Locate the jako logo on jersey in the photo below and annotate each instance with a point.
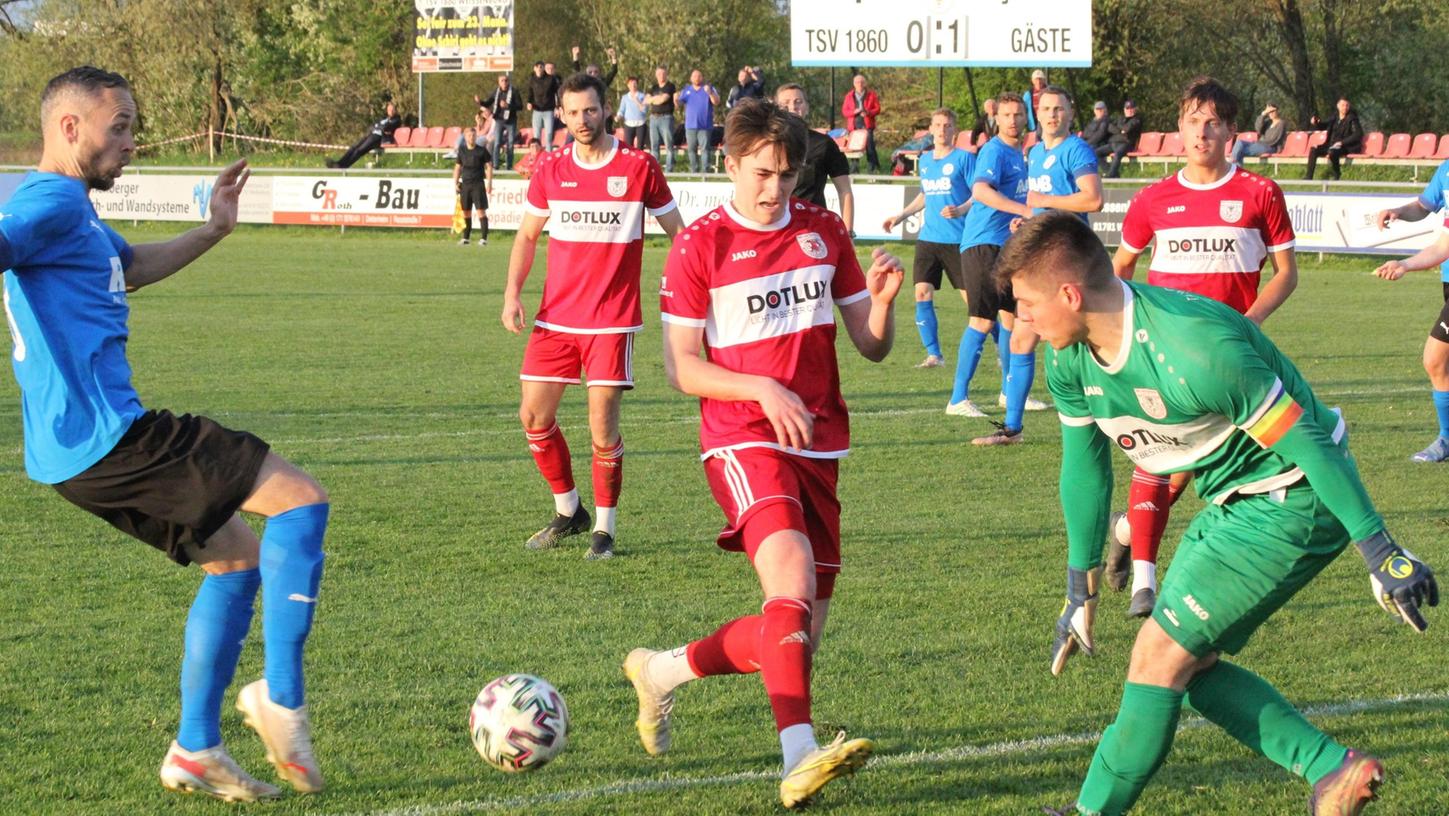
(1142, 436)
(568, 184)
(792, 295)
(1217, 245)
(1177, 209)
(813, 245)
(743, 254)
(1230, 210)
(1202, 614)
(607, 219)
(1092, 390)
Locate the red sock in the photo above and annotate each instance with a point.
(785, 659)
(608, 474)
(551, 453)
(733, 649)
(1148, 501)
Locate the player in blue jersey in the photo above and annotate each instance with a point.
(1061, 175)
(176, 483)
(1436, 349)
(945, 197)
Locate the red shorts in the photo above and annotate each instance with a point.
(603, 359)
(763, 491)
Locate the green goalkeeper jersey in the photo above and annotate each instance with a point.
(1197, 387)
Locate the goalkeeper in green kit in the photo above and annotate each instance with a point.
(1181, 382)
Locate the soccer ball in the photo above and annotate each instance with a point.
(519, 722)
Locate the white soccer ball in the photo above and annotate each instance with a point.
(518, 723)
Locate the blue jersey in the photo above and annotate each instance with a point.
(1436, 197)
(65, 299)
(1056, 171)
(1004, 168)
(944, 181)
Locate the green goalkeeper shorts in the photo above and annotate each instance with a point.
(1239, 562)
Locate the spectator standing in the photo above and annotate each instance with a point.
(698, 98)
(751, 85)
(503, 106)
(542, 99)
(633, 112)
(1272, 133)
(1032, 98)
(661, 117)
(860, 108)
(593, 69)
(1345, 135)
(375, 136)
(1098, 132)
(823, 159)
(473, 179)
(985, 123)
(1126, 132)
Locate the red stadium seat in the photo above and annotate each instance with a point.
(1424, 145)
(435, 136)
(981, 139)
(1171, 145)
(399, 137)
(1030, 140)
(418, 138)
(1148, 145)
(1316, 138)
(855, 142)
(560, 136)
(1373, 146)
(451, 136)
(525, 135)
(963, 140)
(1295, 146)
(1398, 146)
(1443, 151)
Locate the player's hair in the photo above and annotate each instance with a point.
(85, 79)
(1009, 96)
(580, 82)
(1203, 91)
(1056, 245)
(1054, 89)
(756, 121)
(790, 86)
(946, 112)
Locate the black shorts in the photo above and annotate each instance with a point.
(932, 258)
(1440, 331)
(978, 267)
(171, 481)
(474, 195)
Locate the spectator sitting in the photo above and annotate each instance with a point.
(1272, 133)
(751, 85)
(482, 126)
(529, 161)
(375, 136)
(1345, 135)
(1098, 131)
(1126, 132)
(985, 123)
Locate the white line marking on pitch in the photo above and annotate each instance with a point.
(666, 782)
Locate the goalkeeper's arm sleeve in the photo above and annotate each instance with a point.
(1086, 493)
(1333, 474)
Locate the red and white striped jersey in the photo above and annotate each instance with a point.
(764, 296)
(1210, 239)
(595, 236)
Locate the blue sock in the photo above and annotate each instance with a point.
(291, 572)
(1003, 355)
(1018, 385)
(215, 629)
(926, 325)
(1441, 406)
(966, 360)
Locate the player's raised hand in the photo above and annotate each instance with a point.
(883, 279)
(513, 317)
(793, 423)
(1383, 218)
(1391, 271)
(1079, 613)
(226, 192)
(1401, 582)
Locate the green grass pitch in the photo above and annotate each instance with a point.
(378, 363)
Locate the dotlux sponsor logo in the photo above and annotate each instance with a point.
(743, 254)
(1203, 245)
(793, 295)
(592, 217)
(1132, 439)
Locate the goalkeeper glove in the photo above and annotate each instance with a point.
(1401, 582)
(1074, 625)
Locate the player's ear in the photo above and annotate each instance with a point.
(70, 127)
(732, 167)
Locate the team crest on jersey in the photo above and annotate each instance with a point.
(618, 185)
(813, 245)
(1151, 402)
(947, 169)
(1230, 210)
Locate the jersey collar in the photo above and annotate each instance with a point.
(734, 214)
(1125, 349)
(1232, 171)
(608, 157)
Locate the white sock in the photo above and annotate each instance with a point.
(668, 670)
(795, 742)
(1144, 576)
(566, 504)
(604, 519)
(1123, 531)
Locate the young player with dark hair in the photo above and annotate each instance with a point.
(753, 285)
(1182, 383)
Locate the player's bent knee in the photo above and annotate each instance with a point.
(1158, 660)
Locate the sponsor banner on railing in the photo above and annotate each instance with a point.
(161, 197)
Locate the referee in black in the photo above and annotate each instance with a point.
(473, 177)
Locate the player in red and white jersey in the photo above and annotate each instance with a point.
(754, 285)
(1212, 225)
(593, 194)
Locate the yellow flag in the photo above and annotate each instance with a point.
(459, 222)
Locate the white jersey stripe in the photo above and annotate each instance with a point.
(1208, 250)
(692, 322)
(769, 306)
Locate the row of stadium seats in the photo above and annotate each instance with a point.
(1424, 146)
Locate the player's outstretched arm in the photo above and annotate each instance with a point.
(917, 204)
(154, 262)
(870, 322)
(1426, 258)
(520, 262)
(1413, 211)
(846, 192)
(1282, 284)
(1124, 263)
(692, 374)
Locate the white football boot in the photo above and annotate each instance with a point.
(214, 773)
(285, 733)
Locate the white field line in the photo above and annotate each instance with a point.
(666, 782)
